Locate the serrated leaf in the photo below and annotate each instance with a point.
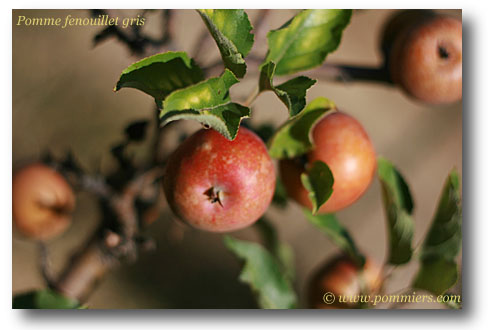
(318, 180)
(225, 119)
(207, 102)
(438, 268)
(304, 41)
(161, 74)
(333, 229)
(231, 30)
(294, 137)
(436, 275)
(263, 274)
(398, 206)
(292, 92)
(278, 249)
(43, 299)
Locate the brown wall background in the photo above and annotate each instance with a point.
(63, 99)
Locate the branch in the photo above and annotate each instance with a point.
(109, 245)
(327, 71)
(138, 42)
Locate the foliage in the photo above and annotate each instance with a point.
(43, 299)
(399, 207)
(231, 30)
(438, 270)
(263, 274)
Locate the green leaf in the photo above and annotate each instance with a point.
(292, 93)
(161, 74)
(318, 180)
(436, 275)
(225, 119)
(231, 30)
(294, 137)
(263, 274)
(444, 238)
(280, 250)
(43, 299)
(303, 42)
(204, 95)
(207, 102)
(398, 205)
(438, 269)
(332, 228)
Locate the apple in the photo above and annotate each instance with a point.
(219, 185)
(426, 59)
(341, 142)
(343, 278)
(399, 22)
(42, 202)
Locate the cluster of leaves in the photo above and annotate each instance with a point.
(438, 268)
(181, 91)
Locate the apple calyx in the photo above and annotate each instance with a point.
(213, 195)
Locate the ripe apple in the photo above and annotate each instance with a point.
(342, 277)
(42, 202)
(426, 59)
(342, 143)
(399, 22)
(219, 185)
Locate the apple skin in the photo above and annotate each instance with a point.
(426, 60)
(342, 143)
(218, 185)
(398, 22)
(42, 202)
(341, 276)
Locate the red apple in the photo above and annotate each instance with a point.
(42, 202)
(398, 22)
(342, 277)
(219, 185)
(343, 144)
(426, 60)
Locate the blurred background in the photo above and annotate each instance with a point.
(63, 100)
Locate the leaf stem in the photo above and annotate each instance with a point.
(252, 97)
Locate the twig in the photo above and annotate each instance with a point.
(108, 246)
(133, 38)
(45, 264)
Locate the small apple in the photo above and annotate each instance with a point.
(219, 185)
(42, 202)
(342, 143)
(426, 59)
(343, 278)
